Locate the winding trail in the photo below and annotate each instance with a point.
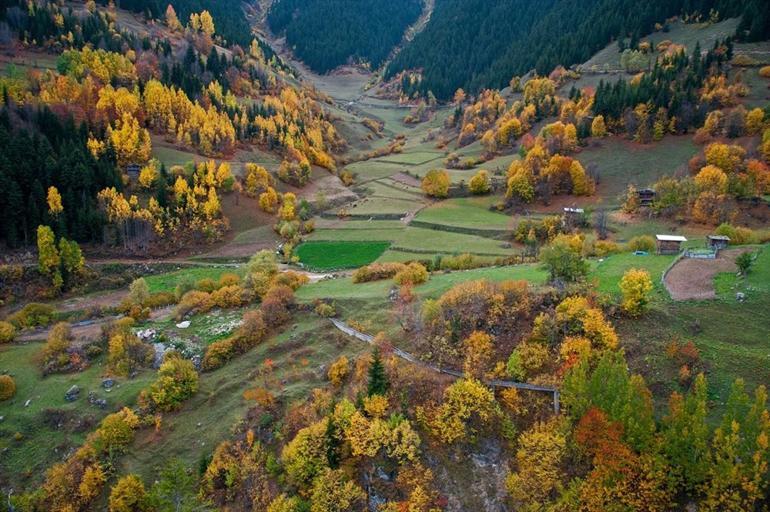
(406, 356)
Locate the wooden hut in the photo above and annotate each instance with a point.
(572, 217)
(717, 242)
(646, 196)
(669, 244)
(133, 170)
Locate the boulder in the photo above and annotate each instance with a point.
(108, 383)
(72, 393)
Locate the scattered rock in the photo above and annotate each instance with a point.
(147, 334)
(72, 393)
(94, 400)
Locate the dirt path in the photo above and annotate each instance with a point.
(89, 330)
(693, 279)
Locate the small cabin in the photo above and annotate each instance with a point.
(572, 217)
(717, 242)
(133, 170)
(646, 196)
(669, 244)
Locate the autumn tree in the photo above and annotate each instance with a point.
(480, 183)
(177, 381)
(563, 262)
(7, 387)
(598, 128)
(54, 202)
(48, 259)
(686, 435)
(333, 492)
(172, 21)
(436, 183)
(478, 354)
(538, 476)
(636, 287)
(128, 495)
(131, 142)
(468, 405)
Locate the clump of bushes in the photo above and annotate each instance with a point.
(325, 310)
(377, 272)
(642, 243)
(7, 332)
(738, 235)
(7, 387)
(413, 274)
(33, 315)
(461, 262)
(126, 352)
(59, 355)
(177, 381)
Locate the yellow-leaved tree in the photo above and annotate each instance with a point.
(636, 286)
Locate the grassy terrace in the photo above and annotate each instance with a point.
(339, 255)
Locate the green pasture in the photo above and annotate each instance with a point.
(31, 437)
(620, 162)
(339, 255)
(468, 212)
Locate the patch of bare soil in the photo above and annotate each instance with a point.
(693, 279)
(406, 179)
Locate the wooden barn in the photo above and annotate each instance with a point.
(669, 244)
(717, 242)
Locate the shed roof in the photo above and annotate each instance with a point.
(719, 237)
(670, 238)
(574, 210)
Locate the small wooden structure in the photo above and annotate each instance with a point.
(572, 217)
(717, 242)
(133, 170)
(669, 244)
(646, 196)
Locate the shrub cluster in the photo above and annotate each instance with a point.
(377, 272)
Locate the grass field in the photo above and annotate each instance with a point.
(606, 274)
(620, 162)
(469, 212)
(167, 282)
(373, 205)
(680, 33)
(411, 158)
(339, 255)
(42, 440)
(344, 289)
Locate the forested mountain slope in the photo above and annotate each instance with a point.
(475, 44)
(326, 33)
(231, 21)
